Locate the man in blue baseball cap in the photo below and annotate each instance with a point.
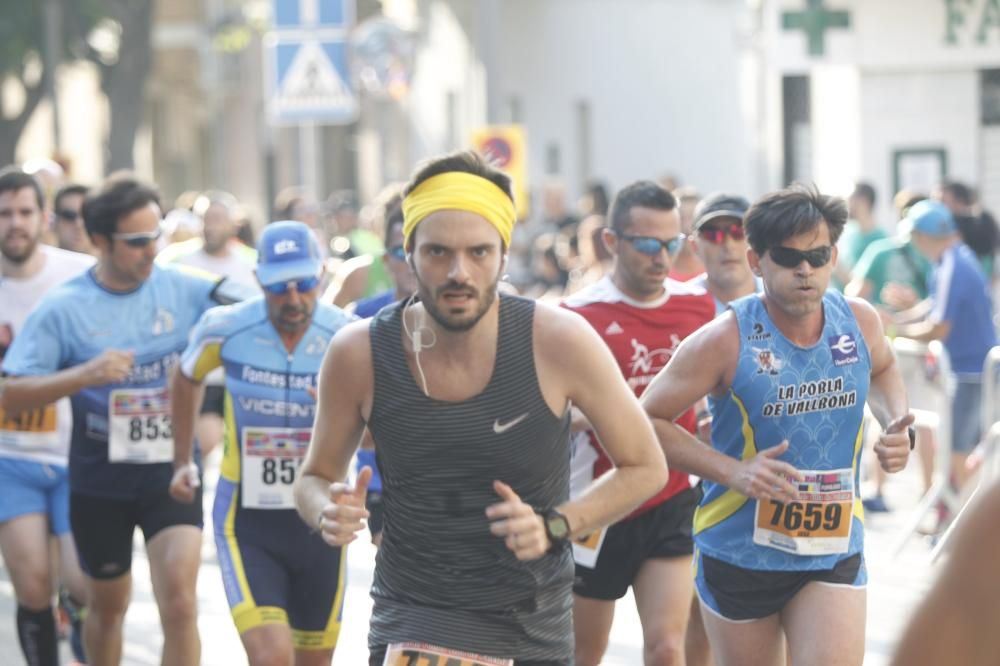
(285, 586)
(959, 312)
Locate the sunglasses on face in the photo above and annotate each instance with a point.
(652, 246)
(717, 235)
(397, 252)
(68, 215)
(139, 239)
(301, 286)
(790, 258)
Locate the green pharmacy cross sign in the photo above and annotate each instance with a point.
(815, 20)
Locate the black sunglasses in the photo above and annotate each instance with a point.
(652, 246)
(68, 215)
(139, 238)
(790, 257)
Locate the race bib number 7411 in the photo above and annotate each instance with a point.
(421, 654)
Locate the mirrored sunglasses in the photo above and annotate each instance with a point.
(652, 246)
(717, 235)
(303, 285)
(139, 239)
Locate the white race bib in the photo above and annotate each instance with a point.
(818, 523)
(586, 549)
(271, 460)
(139, 426)
(421, 654)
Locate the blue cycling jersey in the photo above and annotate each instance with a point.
(268, 410)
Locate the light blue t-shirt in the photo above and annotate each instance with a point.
(960, 296)
(122, 442)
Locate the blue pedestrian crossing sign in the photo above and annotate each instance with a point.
(311, 83)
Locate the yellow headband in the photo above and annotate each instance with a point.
(457, 190)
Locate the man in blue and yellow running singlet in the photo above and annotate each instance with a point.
(109, 339)
(467, 394)
(779, 533)
(284, 584)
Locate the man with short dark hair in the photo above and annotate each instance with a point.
(860, 231)
(467, 394)
(642, 316)
(108, 340)
(778, 533)
(34, 444)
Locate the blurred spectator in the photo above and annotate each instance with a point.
(861, 231)
(180, 225)
(593, 260)
(891, 274)
(686, 264)
(977, 228)
(364, 274)
(67, 220)
(550, 274)
(216, 250)
(294, 203)
(555, 214)
(960, 314)
(595, 200)
(394, 260)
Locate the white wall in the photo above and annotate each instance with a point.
(664, 81)
(913, 110)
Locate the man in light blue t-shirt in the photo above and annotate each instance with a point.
(109, 339)
(959, 312)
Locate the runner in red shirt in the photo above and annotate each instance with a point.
(642, 316)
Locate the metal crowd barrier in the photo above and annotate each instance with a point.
(990, 469)
(930, 386)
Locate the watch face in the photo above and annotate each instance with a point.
(558, 527)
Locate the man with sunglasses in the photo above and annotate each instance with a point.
(284, 584)
(34, 444)
(779, 534)
(67, 222)
(642, 316)
(108, 339)
(720, 243)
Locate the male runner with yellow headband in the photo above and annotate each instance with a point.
(467, 395)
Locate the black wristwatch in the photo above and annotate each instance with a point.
(556, 527)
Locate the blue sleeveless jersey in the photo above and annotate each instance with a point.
(813, 397)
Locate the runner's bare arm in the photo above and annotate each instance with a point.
(702, 365)
(957, 621)
(185, 399)
(31, 392)
(887, 393)
(571, 357)
(343, 402)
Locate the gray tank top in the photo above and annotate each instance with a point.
(441, 577)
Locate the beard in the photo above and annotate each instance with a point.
(445, 320)
(15, 254)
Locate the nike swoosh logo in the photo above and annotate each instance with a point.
(501, 428)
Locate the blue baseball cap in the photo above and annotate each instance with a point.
(287, 251)
(931, 218)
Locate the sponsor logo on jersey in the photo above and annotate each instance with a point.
(844, 349)
(614, 328)
(758, 334)
(767, 362)
(164, 322)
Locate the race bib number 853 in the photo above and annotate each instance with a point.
(140, 430)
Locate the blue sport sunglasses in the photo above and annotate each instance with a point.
(652, 246)
(303, 285)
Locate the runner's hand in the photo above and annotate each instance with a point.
(185, 483)
(764, 477)
(519, 525)
(893, 445)
(110, 367)
(345, 515)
